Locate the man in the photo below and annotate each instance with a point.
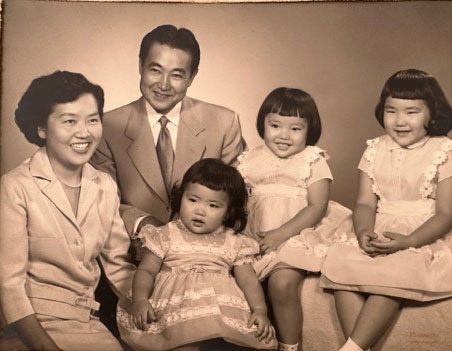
(146, 155)
(135, 137)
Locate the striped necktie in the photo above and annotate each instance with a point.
(165, 153)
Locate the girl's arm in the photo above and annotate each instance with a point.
(309, 216)
(34, 335)
(247, 281)
(364, 214)
(431, 230)
(142, 287)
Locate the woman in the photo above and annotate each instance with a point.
(60, 222)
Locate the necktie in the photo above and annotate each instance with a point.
(165, 153)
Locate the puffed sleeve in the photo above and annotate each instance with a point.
(368, 157)
(445, 169)
(247, 250)
(319, 170)
(15, 304)
(155, 239)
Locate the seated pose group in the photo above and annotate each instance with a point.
(201, 220)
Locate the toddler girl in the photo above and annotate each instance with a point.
(183, 291)
(403, 213)
(289, 211)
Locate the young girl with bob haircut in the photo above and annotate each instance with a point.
(403, 213)
(289, 210)
(183, 291)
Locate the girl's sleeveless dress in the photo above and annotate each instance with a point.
(278, 191)
(195, 297)
(405, 181)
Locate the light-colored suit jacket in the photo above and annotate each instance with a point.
(48, 256)
(127, 152)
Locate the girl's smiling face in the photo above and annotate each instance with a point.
(285, 136)
(203, 210)
(406, 120)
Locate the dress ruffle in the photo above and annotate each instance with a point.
(195, 297)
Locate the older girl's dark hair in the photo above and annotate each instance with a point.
(44, 93)
(413, 84)
(216, 175)
(291, 102)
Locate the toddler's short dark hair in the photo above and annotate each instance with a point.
(216, 175)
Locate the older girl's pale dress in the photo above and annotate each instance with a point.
(278, 191)
(405, 181)
(195, 297)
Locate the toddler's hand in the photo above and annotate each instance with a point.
(265, 330)
(395, 243)
(270, 241)
(142, 314)
(365, 241)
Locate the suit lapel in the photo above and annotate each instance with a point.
(142, 149)
(41, 169)
(191, 142)
(89, 192)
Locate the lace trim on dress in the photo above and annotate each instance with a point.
(345, 239)
(183, 315)
(198, 247)
(151, 246)
(431, 172)
(313, 154)
(244, 260)
(192, 295)
(319, 250)
(369, 155)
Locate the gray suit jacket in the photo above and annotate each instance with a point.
(127, 152)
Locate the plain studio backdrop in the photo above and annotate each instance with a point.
(341, 53)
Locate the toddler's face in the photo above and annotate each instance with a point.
(285, 136)
(203, 210)
(406, 120)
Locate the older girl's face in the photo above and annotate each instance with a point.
(72, 133)
(406, 120)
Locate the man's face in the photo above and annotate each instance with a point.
(165, 76)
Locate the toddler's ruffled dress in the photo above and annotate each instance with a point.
(195, 296)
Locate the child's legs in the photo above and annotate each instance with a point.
(285, 300)
(348, 308)
(376, 316)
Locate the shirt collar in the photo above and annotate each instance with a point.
(173, 116)
(393, 145)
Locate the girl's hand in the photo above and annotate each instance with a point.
(265, 330)
(396, 242)
(365, 241)
(142, 314)
(270, 241)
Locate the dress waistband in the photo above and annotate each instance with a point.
(277, 190)
(195, 268)
(407, 208)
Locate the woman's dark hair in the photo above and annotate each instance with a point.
(413, 84)
(216, 175)
(44, 93)
(291, 102)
